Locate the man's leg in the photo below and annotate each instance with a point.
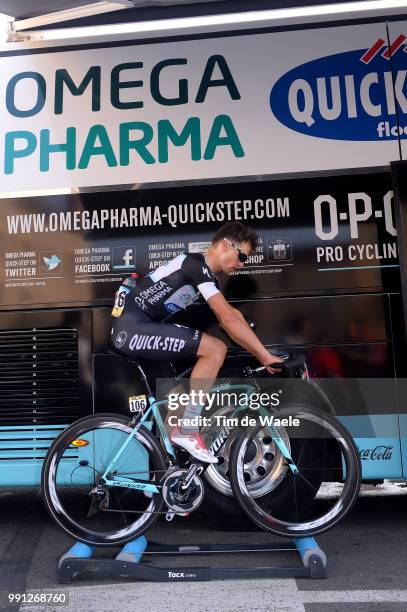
(211, 355)
(136, 335)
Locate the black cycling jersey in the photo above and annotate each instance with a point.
(169, 288)
(142, 305)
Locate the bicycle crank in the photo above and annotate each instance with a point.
(183, 490)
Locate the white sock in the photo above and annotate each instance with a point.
(192, 411)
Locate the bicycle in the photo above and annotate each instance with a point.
(106, 479)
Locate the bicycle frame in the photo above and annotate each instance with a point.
(127, 482)
(121, 481)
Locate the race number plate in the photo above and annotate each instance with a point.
(137, 403)
(119, 301)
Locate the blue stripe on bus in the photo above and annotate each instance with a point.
(381, 439)
(23, 449)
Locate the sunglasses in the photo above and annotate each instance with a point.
(242, 256)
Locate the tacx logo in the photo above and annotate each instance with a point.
(176, 574)
(355, 95)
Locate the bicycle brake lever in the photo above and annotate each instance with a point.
(259, 369)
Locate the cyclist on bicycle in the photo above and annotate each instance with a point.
(140, 329)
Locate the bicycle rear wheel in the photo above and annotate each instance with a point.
(321, 493)
(80, 503)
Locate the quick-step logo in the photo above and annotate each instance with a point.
(347, 96)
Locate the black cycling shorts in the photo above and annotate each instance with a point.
(134, 334)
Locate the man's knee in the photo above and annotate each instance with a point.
(212, 347)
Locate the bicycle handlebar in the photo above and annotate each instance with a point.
(291, 362)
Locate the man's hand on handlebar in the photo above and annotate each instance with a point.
(271, 364)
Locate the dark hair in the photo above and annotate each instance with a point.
(236, 231)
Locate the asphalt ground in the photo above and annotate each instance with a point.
(367, 564)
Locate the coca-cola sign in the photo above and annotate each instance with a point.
(378, 453)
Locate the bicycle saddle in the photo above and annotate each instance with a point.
(113, 351)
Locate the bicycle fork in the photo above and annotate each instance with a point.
(283, 448)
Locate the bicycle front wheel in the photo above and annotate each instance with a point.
(77, 497)
(317, 493)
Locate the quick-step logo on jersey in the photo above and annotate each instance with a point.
(347, 96)
(156, 343)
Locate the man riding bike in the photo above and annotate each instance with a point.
(140, 329)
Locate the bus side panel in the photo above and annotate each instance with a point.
(46, 384)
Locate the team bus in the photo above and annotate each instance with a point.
(119, 152)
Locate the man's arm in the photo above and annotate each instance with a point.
(235, 325)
